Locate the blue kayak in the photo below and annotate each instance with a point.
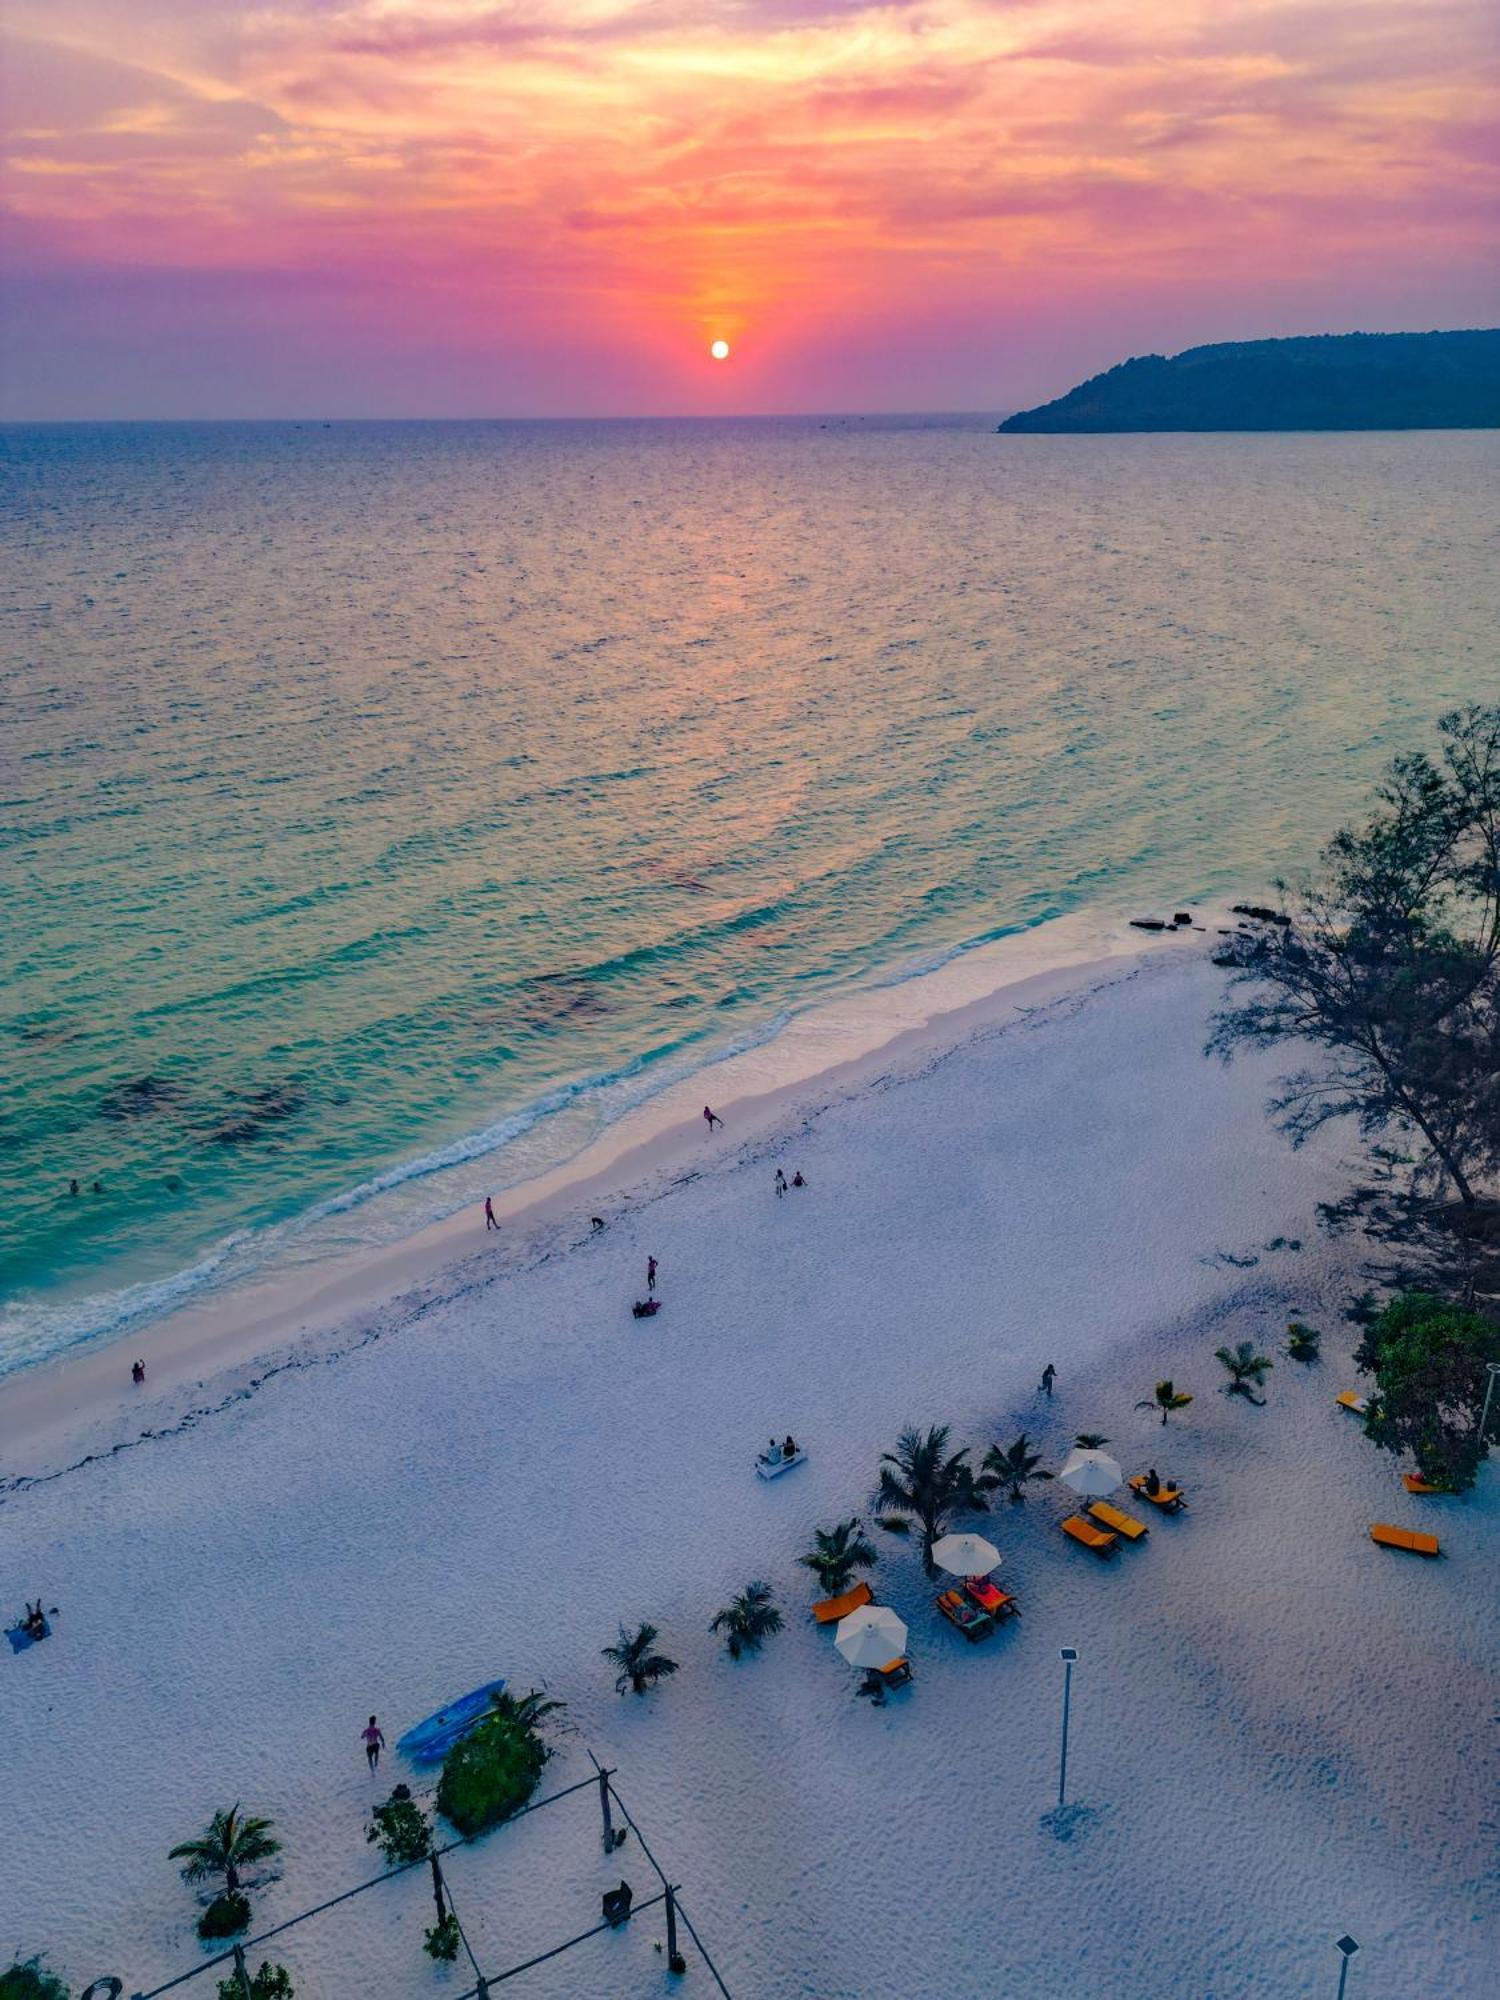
(426, 1741)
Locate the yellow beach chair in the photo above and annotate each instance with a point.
(1123, 1524)
(1404, 1538)
(1085, 1533)
(832, 1609)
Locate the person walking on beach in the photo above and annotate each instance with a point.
(780, 1183)
(491, 1221)
(650, 1276)
(711, 1118)
(1049, 1376)
(373, 1741)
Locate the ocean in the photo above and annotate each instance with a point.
(388, 807)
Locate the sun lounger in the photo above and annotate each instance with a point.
(1169, 1499)
(895, 1673)
(1123, 1524)
(1351, 1400)
(1403, 1538)
(989, 1597)
(832, 1609)
(1415, 1483)
(1091, 1537)
(959, 1611)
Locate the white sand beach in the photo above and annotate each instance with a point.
(1280, 1732)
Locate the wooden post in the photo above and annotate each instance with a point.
(675, 1960)
(241, 1972)
(609, 1828)
(437, 1889)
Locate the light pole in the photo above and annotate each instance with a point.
(1069, 1659)
(1492, 1369)
(1348, 1948)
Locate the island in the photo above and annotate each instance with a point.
(1316, 382)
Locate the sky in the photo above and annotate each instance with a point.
(553, 207)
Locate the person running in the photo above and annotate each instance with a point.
(491, 1220)
(373, 1741)
(711, 1118)
(1049, 1376)
(650, 1276)
(780, 1183)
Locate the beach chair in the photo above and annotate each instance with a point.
(1168, 1500)
(1123, 1524)
(989, 1597)
(832, 1609)
(895, 1673)
(1353, 1402)
(959, 1611)
(1415, 1483)
(1090, 1537)
(1404, 1538)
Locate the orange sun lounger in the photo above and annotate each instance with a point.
(832, 1609)
(1404, 1538)
(1169, 1499)
(1415, 1483)
(1351, 1400)
(989, 1597)
(1123, 1524)
(1091, 1537)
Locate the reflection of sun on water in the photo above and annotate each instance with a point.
(720, 350)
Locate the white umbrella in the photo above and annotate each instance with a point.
(1092, 1473)
(873, 1636)
(965, 1555)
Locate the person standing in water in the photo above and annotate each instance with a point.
(650, 1276)
(491, 1221)
(373, 1741)
(1049, 1376)
(711, 1118)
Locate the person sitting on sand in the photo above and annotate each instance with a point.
(645, 1308)
(789, 1449)
(797, 1180)
(34, 1624)
(1153, 1484)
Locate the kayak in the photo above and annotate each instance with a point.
(426, 1741)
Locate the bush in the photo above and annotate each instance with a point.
(442, 1940)
(1303, 1343)
(29, 1979)
(226, 1916)
(493, 1771)
(401, 1829)
(272, 1982)
(1429, 1359)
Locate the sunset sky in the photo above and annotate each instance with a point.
(452, 207)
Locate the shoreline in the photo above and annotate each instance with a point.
(80, 1400)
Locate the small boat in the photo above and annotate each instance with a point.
(426, 1741)
(771, 1464)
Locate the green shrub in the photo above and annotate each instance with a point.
(29, 1979)
(272, 1982)
(226, 1916)
(401, 1829)
(442, 1940)
(491, 1773)
(1302, 1342)
(1429, 1359)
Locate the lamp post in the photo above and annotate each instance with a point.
(1492, 1369)
(1347, 1947)
(1069, 1655)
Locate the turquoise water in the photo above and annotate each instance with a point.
(387, 806)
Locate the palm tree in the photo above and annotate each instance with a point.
(1245, 1367)
(1015, 1467)
(1302, 1342)
(527, 1711)
(639, 1667)
(1091, 1440)
(926, 1485)
(226, 1845)
(837, 1553)
(1166, 1397)
(748, 1619)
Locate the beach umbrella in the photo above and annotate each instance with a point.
(873, 1636)
(1091, 1473)
(965, 1555)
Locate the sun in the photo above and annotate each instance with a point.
(720, 350)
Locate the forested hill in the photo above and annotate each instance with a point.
(1321, 382)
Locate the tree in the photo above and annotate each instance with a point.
(639, 1667)
(1303, 1343)
(1429, 1359)
(228, 1844)
(1091, 1440)
(271, 1982)
(492, 1771)
(29, 1979)
(401, 1828)
(1014, 1468)
(837, 1553)
(1389, 965)
(1247, 1370)
(1166, 1397)
(748, 1620)
(924, 1485)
